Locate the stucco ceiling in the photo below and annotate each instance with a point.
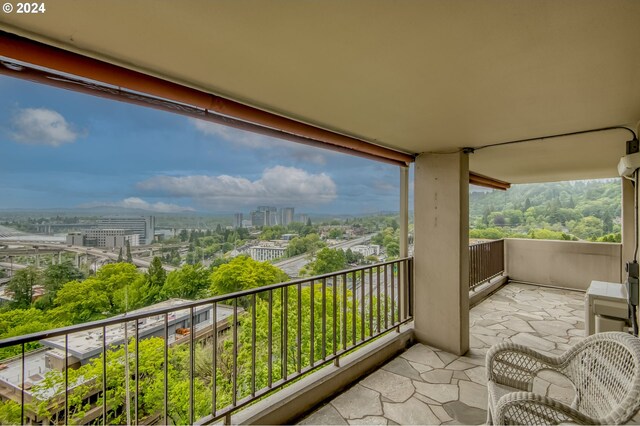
(418, 76)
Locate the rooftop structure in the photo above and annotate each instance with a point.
(83, 346)
(88, 344)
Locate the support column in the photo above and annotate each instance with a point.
(627, 213)
(404, 299)
(441, 246)
(404, 211)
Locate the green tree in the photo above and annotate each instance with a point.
(486, 234)
(327, 260)
(308, 244)
(116, 288)
(10, 413)
(497, 219)
(589, 227)
(393, 249)
(513, 217)
(55, 276)
(336, 233)
(82, 301)
(155, 279)
(128, 247)
(120, 258)
(22, 285)
(150, 384)
(18, 322)
(243, 273)
(611, 238)
(352, 257)
(547, 234)
(188, 282)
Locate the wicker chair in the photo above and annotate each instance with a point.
(604, 369)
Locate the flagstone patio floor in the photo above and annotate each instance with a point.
(424, 385)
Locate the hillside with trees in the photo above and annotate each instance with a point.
(577, 210)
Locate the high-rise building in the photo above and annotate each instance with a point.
(304, 218)
(270, 215)
(237, 220)
(286, 215)
(258, 218)
(145, 226)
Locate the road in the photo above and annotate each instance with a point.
(9, 265)
(292, 265)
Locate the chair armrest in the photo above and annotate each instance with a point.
(515, 365)
(532, 408)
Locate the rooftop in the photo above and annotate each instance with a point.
(88, 344)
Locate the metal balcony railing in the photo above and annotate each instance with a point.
(486, 261)
(200, 361)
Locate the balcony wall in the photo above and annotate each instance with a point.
(569, 264)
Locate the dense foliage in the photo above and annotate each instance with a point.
(106, 293)
(585, 210)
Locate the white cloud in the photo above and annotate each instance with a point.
(278, 184)
(40, 126)
(239, 137)
(138, 203)
(252, 140)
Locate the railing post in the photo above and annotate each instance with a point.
(410, 286)
(486, 261)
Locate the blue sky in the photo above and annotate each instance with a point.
(60, 149)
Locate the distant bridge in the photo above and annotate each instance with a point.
(30, 249)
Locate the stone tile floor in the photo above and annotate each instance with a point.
(427, 386)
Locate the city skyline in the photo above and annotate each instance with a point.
(64, 150)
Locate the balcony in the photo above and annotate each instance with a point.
(268, 372)
(425, 385)
(544, 95)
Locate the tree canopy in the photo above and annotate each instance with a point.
(587, 210)
(327, 260)
(244, 273)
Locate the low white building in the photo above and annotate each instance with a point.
(365, 250)
(263, 253)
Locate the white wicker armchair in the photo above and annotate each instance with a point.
(604, 369)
